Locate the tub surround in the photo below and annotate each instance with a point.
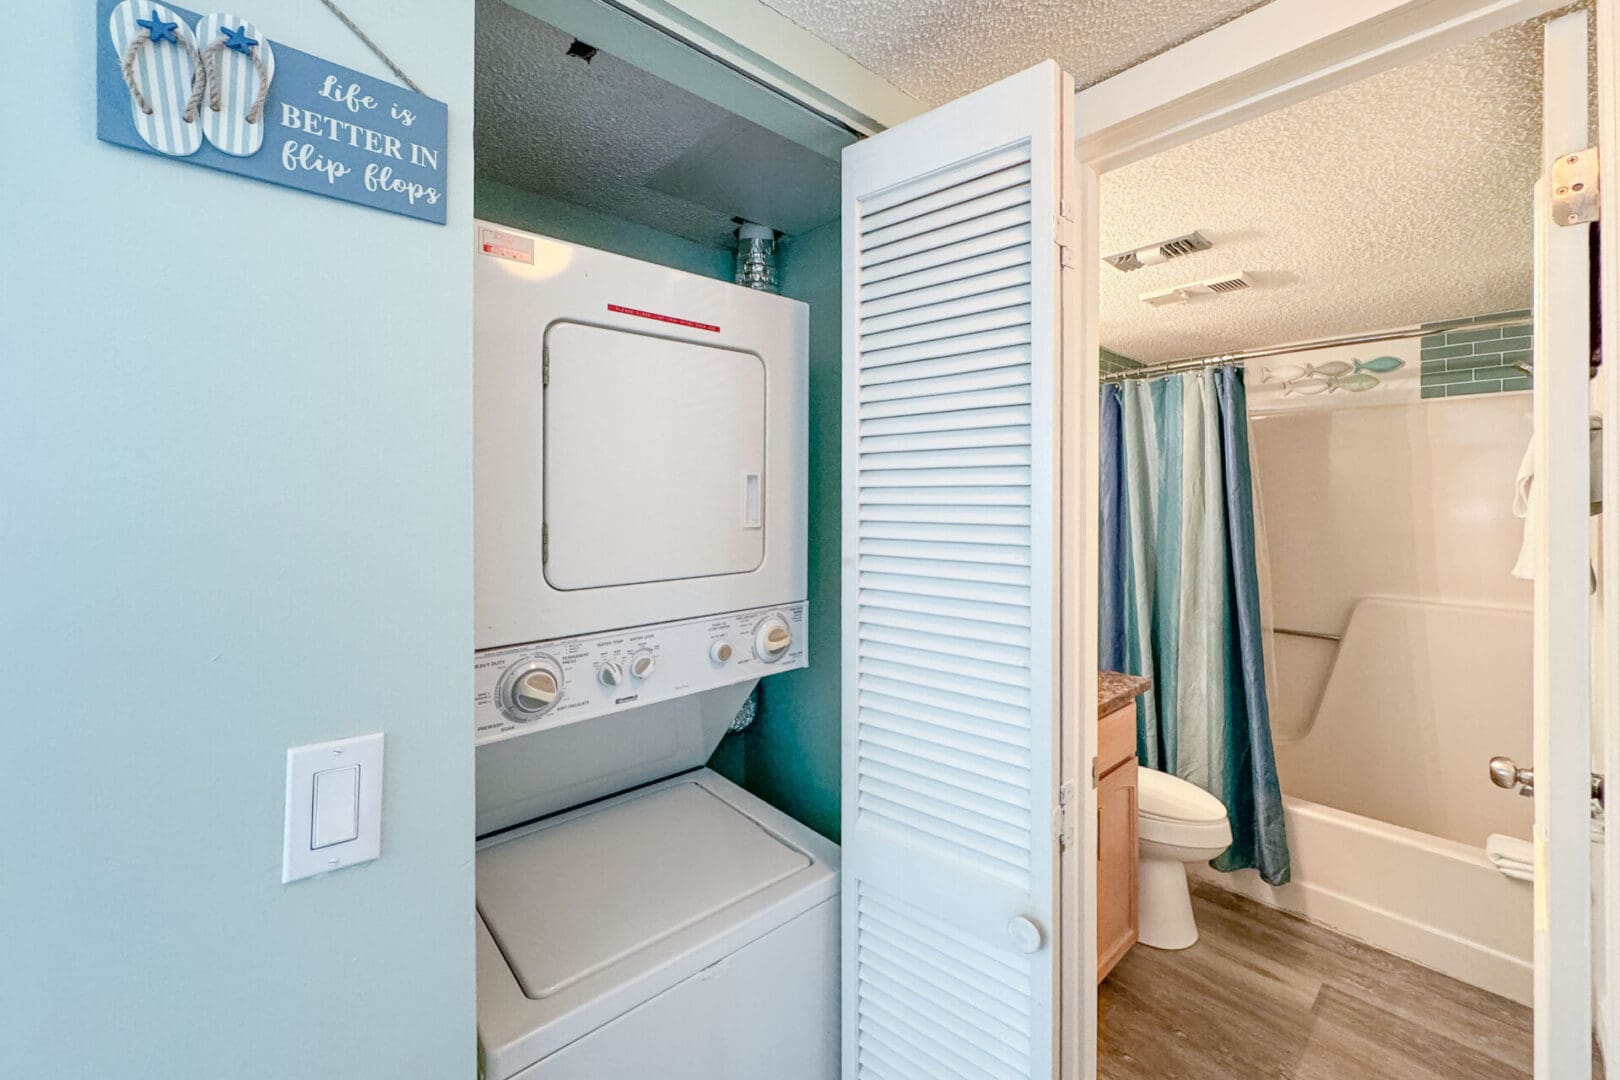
(1118, 908)
(1115, 690)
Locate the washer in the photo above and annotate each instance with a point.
(684, 931)
(640, 466)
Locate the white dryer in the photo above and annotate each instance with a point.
(640, 455)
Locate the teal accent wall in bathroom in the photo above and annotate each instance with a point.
(236, 458)
(525, 210)
(1460, 359)
(791, 754)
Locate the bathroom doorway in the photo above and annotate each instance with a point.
(1316, 407)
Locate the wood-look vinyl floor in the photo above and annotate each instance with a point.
(1267, 995)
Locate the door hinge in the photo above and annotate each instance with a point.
(1095, 770)
(545, 371)
(1575, 187)
(545, 544)
(1063, 816)
(1067, 234)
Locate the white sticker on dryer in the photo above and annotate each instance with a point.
(505, 245)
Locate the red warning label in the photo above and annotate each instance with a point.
(653, 315)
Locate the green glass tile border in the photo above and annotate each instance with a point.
(1459, 360)
(1111, 362)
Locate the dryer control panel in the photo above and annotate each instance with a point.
(541, 685)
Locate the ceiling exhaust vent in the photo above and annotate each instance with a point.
(1163, 251)
(1215, 286)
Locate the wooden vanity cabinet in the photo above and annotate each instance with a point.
(1116, 838)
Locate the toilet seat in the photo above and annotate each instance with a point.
(1175, 813)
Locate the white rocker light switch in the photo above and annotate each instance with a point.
(334, 806)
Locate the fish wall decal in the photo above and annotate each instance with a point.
(1381, 364)
(1357, 383)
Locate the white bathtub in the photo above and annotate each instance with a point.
(1387, 801)
(1434, 901)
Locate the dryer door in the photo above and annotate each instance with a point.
(654, 459)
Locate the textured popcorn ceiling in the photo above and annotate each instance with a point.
(608, 136)
(1404, 198)
(584, 133)
(937, 50)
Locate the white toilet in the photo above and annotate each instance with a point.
(1177, 823)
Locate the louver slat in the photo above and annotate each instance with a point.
(949, 642)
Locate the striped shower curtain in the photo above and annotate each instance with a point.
(1180, 596)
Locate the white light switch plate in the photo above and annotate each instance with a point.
(357, 800)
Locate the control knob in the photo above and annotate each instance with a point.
(772, 638)
(530, 687)
(610, 674)
(642, 664)
(720, 652)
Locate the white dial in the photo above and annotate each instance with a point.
(720, 652)
(537, 690)
(530, 687)
(772, 638)
(642, 664)
(611, 673)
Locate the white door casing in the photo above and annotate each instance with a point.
(1562, 635)
(953, 340)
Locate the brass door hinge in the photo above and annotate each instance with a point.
(1575, 187)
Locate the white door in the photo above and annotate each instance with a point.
(1563, 644)
(953, 760)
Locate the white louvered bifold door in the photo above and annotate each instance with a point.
(952, 345)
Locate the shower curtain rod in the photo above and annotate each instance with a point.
(1171, 367)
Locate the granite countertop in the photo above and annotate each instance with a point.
(1115, 690)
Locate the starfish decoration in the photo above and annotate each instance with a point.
(237, 39)
(157, 29)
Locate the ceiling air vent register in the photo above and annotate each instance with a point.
(1215, 286)
(1162, 251)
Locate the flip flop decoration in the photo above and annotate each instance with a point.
(239, 65)
(1355, 376)
(160, 64)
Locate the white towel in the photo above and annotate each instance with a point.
(1523, 505)
(1515, 858)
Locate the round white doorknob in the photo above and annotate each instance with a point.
(720, 652)
(537, 690)
(611, 674)
(642, 664)
(1025, 934)
(772, 639)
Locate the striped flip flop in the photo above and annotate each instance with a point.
(163, 70)
(239, 65)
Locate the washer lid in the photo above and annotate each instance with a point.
(568, 900)
(1170, 798)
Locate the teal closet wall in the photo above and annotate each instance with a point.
(236, 458)
(791, 753)
(577, 225)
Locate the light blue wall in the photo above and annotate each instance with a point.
(235, 464)
(578, 225)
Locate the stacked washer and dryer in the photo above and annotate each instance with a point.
(640, 540)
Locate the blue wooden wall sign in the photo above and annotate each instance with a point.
(215, 90)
